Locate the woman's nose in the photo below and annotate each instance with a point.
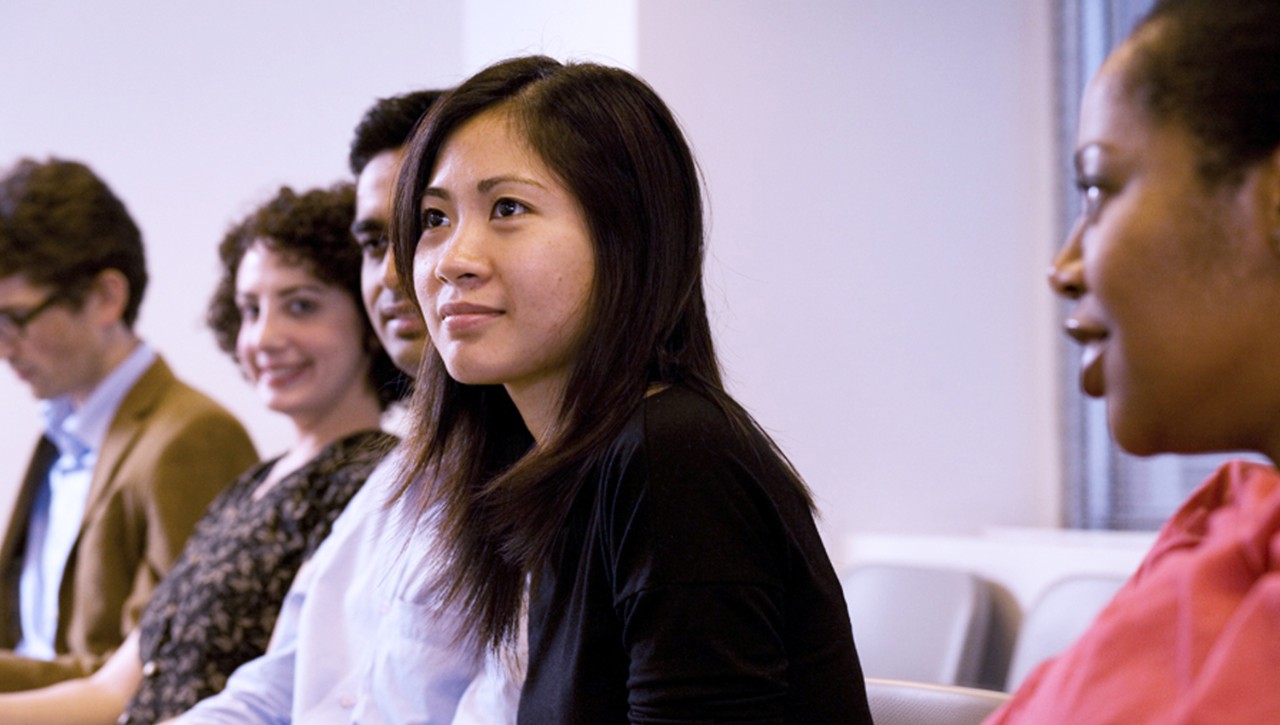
(268, 330)
(460, 260)
(1066, 274)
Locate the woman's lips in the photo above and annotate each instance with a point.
(463, 317)
(280, 376)
(1093, 339)
(1092, 381)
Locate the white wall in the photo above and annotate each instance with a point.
(880, 184)
(881, 187)
(195, 113)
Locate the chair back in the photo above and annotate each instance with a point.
(919, 624)
(1057, 618)
(896, 702)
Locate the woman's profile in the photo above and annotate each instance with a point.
(1173, 275)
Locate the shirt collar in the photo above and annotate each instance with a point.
(76, 432)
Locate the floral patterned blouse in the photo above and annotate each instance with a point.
(216, 608)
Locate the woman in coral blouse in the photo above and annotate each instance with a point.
(1173, 270)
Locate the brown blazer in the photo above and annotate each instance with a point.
(168, 452)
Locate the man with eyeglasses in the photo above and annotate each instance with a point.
(130, 456)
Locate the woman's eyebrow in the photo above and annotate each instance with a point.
(488, 184)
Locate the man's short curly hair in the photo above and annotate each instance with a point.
(387, 125)
(313, 231)
(61, 225)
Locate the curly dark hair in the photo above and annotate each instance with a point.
(312, 230)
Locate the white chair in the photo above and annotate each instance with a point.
(896, 702)
(1057, 618)
(919, 624)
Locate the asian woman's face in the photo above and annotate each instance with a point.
(505, 266)
(1175, 281)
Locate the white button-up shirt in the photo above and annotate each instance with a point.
(57, 510)
(356, 643)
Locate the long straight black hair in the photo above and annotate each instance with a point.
(617, 148)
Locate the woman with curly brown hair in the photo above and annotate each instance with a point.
(288, 310)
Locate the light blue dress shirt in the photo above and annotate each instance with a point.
(354, 644)
(57, 509)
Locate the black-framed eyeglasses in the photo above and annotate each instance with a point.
(13, 324)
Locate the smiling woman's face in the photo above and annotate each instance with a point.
(1176, 283)
(505, 265)
(301, 341)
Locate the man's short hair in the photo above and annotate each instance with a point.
(61, 225)
(387, 125)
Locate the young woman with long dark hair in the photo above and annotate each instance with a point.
(574, 421)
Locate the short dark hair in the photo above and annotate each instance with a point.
(61, 225)
(312, 230)
(387, 125)
(1213, 66)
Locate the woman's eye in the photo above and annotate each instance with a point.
(302, 306)
(248, 310)
(1092, 196)
(508, 207)
(432, 218)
